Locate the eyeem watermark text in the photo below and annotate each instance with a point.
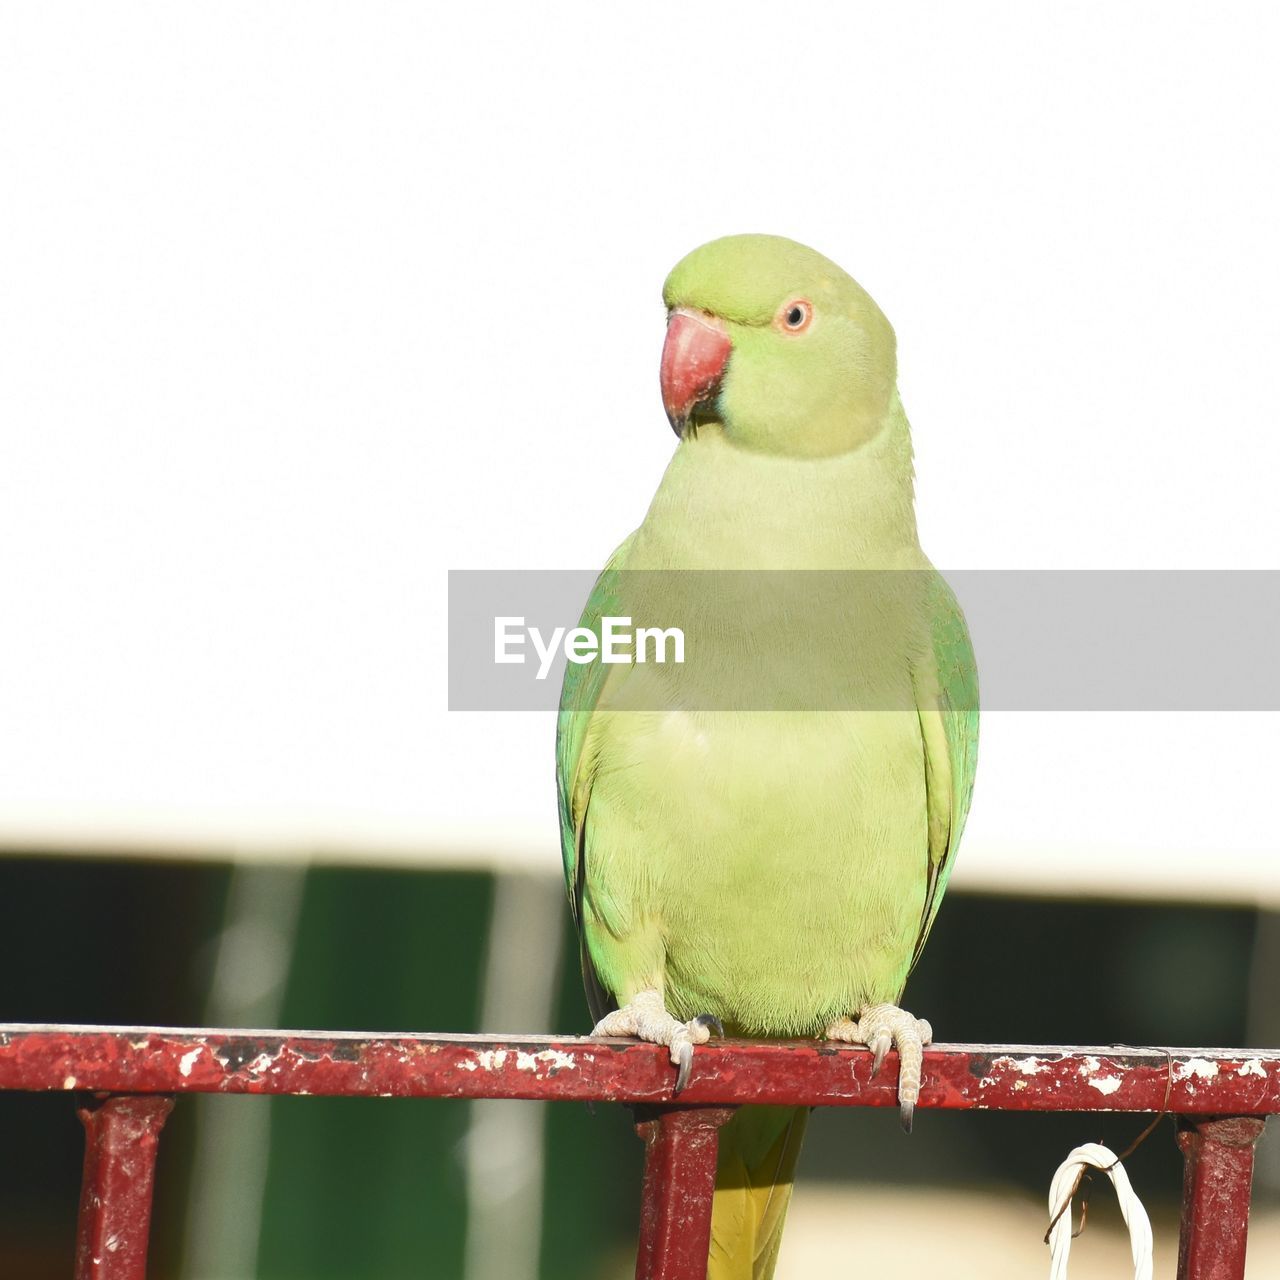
(617, 642)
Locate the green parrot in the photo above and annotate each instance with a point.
(770, 869)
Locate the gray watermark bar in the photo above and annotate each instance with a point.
(1051, 640)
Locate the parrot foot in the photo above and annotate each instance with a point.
(882, 1027)
(646, 1017)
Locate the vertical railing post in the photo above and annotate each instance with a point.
(122, 1135)
(1217, 1176)
(681, 1145)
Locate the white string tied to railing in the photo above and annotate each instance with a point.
(1063, 1188)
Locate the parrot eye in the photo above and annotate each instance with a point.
(795, 316)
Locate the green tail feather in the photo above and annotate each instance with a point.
(759, 1148)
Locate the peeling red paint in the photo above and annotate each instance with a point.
(1220, 1096)
(681, 1144)
(122, 1136)
(797, 1072)
(1217, 1174)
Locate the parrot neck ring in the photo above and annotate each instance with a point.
(694, 356)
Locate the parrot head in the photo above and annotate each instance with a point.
(776, 346)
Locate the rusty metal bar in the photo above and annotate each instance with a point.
(725, 1073)
(122, 1137)
(1217, 1174)
(681, 1144)
(1220, 1095)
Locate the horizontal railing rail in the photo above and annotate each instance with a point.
(569, 1068)
(125, 1080)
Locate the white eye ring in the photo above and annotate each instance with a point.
(796, 315)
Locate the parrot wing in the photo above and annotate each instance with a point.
(576, 762)
(947, 703)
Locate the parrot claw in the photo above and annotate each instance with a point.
(880, 1046)
(882, 1027)
(907, 1114)
(682, 1055)
(685, 1039)
(645, 1016)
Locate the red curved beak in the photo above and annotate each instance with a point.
(693, 360)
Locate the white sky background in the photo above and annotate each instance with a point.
(302, 305)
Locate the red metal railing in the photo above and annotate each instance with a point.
(125, 1080)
